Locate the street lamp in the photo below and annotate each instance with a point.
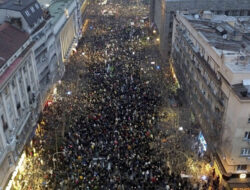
(243, 176)
(180, 128)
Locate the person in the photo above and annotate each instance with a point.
(111, 117)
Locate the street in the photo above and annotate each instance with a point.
(110, 125)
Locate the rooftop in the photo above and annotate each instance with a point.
(230, 37)
(57, 8)
(11, 39)
(45, 3)
(8, 72)
(30, 9)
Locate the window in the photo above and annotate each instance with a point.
(32, 9)
(24, 69)
(28, 88)
(171, 24)
(247, 135)
(13, 83)
(170, 35)
(242, 13)
(5, 125)
(10, 160)
(245, 152)
(37, 6)
(249, 120)
(27, 13)
(6, 91)
(241, 167)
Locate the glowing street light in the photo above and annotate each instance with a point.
(154, 31)
(180, 128)
(158, 39)
(243, 176)
(204, 178)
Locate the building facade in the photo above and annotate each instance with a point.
(211, 57)
(162, 12)
(18, 96)
(29, 16)
(36, 41)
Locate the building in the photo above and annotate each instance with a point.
(29, 16)
(35, 42)
(18, 93)
(65, 26)
(26, 15)
(83, 7)
(54, 26)
(162, 11)
(211, 57)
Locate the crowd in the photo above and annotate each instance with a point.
(109, 115)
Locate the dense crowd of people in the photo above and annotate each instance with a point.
(109, 114)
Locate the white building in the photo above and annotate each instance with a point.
(18, 93)
(65, 22)
(34, 46)
(28, 16)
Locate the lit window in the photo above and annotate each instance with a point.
(241, 167)
(245, 152)
(27, 13)
(32, 9)
(247, 135)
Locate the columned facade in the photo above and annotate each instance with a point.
(16, 99)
